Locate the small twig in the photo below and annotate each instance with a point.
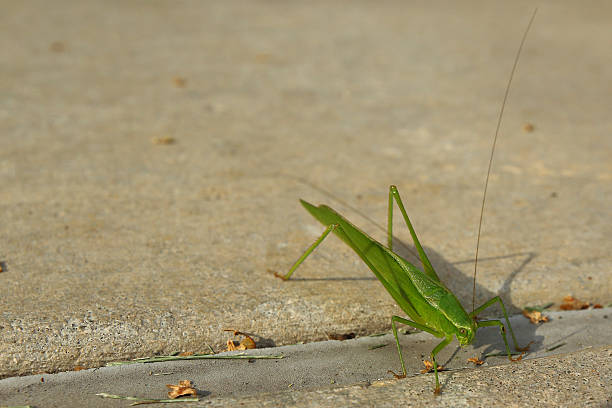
(193, 357)
(538, 308)
(501, 354)
(140, 401)
(210, 348)
(377, 346)
(556, 346)
(17, 406)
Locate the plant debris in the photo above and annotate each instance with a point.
(341, 336)
(504, 354)
(571, 303)
(535, 316)
(140, 401)
(475, 360)
(179, 82)
(183, 388)
(245, 344)
(157, 359)
(539, 308)
(556, 346)
(528, 127)
(429, 367)
(164, 140)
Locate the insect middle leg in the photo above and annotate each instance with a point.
(435, 351)
(394, 194)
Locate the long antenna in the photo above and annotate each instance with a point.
(499, 119)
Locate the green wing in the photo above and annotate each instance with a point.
(402, 280)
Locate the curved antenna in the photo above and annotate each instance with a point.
(499, 119)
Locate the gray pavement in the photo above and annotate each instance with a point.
(326, 369)
(116, 246)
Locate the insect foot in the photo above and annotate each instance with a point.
(278, 275)
(523, 350)
(526, 348)
(429, 367)
(397, 376)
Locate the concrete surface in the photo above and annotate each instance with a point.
(114, 246)
(316, 374)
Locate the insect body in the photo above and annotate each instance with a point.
(419, 293)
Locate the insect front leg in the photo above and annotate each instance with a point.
(480, 324)
(502, 330)
(306, 253)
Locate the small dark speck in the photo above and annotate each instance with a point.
(589, 278)
(553, 194)
(560, 317)
(57, 46)
(605, 316)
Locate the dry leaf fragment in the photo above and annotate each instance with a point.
(183, 388)
(570, 303)
(597, 306)
(79, 368)
(340, 336)
(179, 82)
(429, 367)
(528, 127)
(246, 343)
(231, 346)
(185, 353)
(535, 316)
(475, 360)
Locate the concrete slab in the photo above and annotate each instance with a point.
(115, 245)
(572, 348)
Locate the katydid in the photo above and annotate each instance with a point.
(431, 306)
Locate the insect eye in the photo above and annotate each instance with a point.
(462, 331)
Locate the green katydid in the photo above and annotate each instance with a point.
(431, 306)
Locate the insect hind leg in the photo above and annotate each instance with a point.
(302, 258)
